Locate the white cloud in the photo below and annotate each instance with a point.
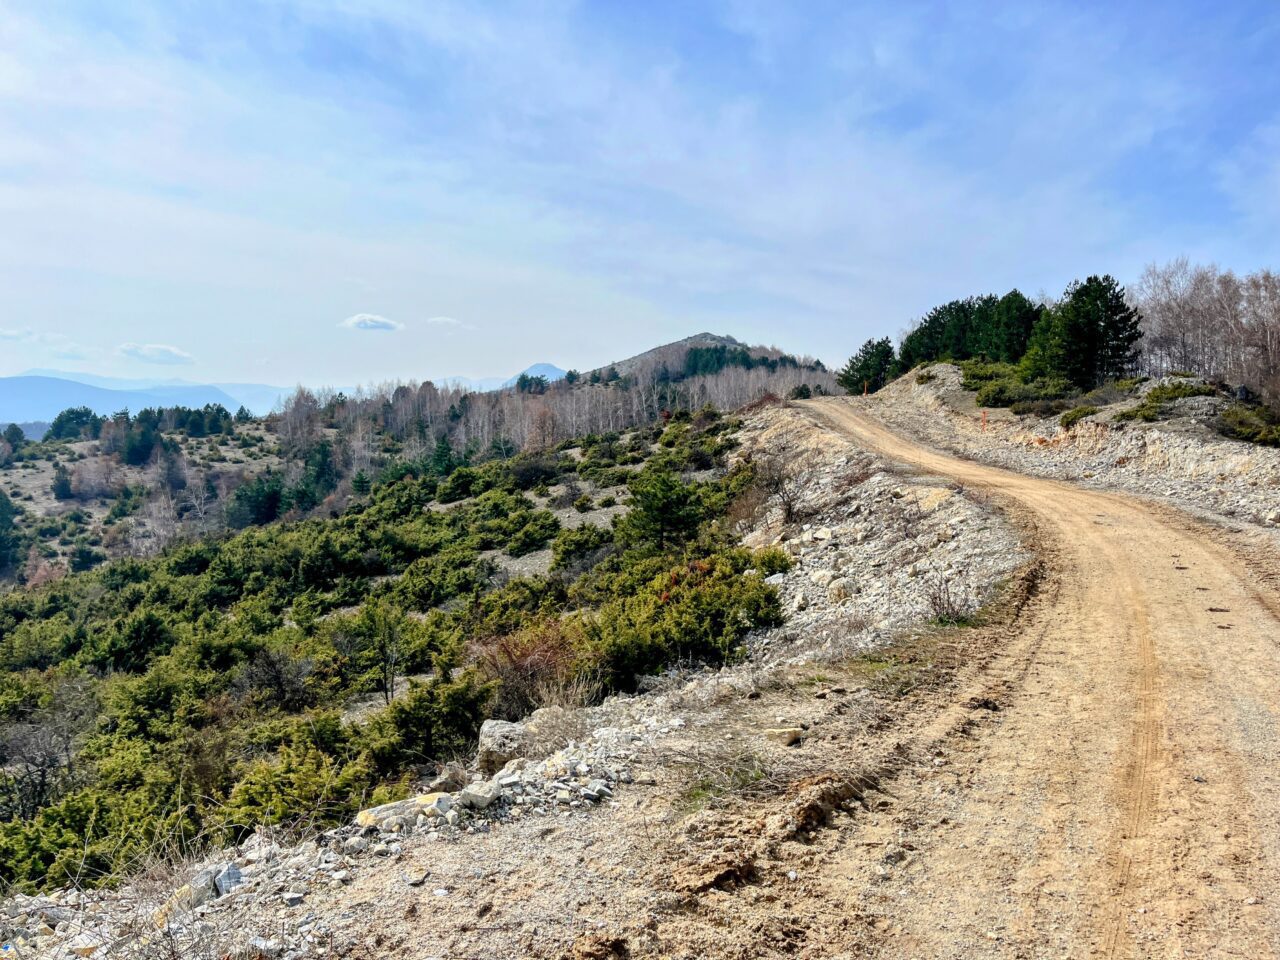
(159, 353)
(14, 334)
(370, 321)
(445, 321)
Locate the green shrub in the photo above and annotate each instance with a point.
(1075, 415)
(926, 376)
(700, 609)
(975, 373)
(542, 526)
(458, 485)
(571, 545)
(1006, 391)
(1040, 408)
(773, 560)
(1251, 424)
(1152, 407)
(584, 504)
(436, 720)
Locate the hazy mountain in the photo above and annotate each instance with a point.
(41, 394)
(486, 384)
(548, 370)
(34, 430)
(43, 398)
(260, 398)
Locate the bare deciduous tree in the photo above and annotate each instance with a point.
(1212, 323)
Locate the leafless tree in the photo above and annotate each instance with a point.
(94, 478)
(1213, 323)
(775, 473)
(299, 422)
(38, 753)
(201, 502)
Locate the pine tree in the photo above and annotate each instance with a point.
(442, 459)
(1046, 350)
(8, 533)
(360, 483)
(871, 366)
(1012, 321)
(61, 486)
(1121, 331)
(664, 510)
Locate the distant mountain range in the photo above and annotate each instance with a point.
(257, 397)
(37, 396)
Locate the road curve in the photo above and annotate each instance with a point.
(1127, 802)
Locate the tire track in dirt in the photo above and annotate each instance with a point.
(1126, 805)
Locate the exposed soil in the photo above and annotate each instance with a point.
(1124, 800)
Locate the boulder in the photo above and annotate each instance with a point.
(85, 945)
(500, 743)
(478, 796)
(428, 804)
(200, 890)
(452, 777)
(840, 589)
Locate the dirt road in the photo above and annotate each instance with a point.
(1125, 802)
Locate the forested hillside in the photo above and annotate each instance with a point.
(197, 693)
(128, 485)
(221, 620)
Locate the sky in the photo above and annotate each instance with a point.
(358, 191)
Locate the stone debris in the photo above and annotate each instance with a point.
(869, 543)
(1180, 458)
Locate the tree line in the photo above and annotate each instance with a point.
(1089, 336)
(1179, 317)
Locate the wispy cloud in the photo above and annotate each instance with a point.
(157, 353)
(370, 321)
(56, 345)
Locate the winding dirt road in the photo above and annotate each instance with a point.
(1126, 800)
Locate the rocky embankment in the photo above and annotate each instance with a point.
(561, 830)
(1178, 458)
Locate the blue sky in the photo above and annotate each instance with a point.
(343, 191)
